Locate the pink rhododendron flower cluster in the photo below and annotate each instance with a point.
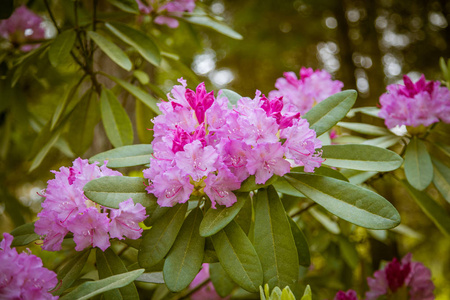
(21, 27)
(206, 292)
(166, 10)
(396, 275)
(415, 104)
(22, 276)
(203, 146)
(349, 295)
(67, 209)
(300, 95)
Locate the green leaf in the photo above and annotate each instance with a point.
(129, 6)
(383, 141)
(347, 201)
(158, 240)
(110, 191)
(304, 258)
(43, 143)
(59, 51)
(274, 241)
(358, 177)
(24, 234)
(441, 179)
(109, 264)
(232, 97)
(217, 218)
(90, 289)
(141, 95)
(143, 120)
(238, 257)
(116, 122)
(154, 277)
(327, 113)
(186, 256)
(444, 69)
(307, 295)
(433, 210)
(82, 123)
(367, 110)
(283, 186)
(112, 50)
(249, 184)
(141, 76)
(138, 40)
(361, 157)
(210, 22)
(326, 222)
(222, 283)
(364, 128)
(125, 156)
(418, 166)
(71, 271)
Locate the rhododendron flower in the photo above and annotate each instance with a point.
(21, 27)
(207, 291)
(349, 295)
(22, 276)
(300, 95)
(67, 209)
(166, 10)
(413, 276)
(415, 104)
(203, 147)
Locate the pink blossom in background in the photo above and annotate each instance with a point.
(22, 276)
(21, 27)
(203, 147)
(412, 275)
(166, 10)
(207, 291)
(349, 295)
(415, 104)
(66, 209)
(300, 95)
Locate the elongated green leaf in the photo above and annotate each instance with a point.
(24, 234)
(418, 166)
(158, 240)
(304, 258)
(207, 21)
(441, 179)
(327, 113)
(364, 128)
(59, 51)
(143, 119)
(249, 184)
(349, 139)
(129, 6)
(232, 97)
(358, 177)
(109, 264)
(46, 139)
(283, 186)
(383, 141)
(217, 218)
(361, 157)
(82, 123)
(326, 222)
(110, 191)
(274, 241)
(112, 50)
(223, 284)
(433, 210)
(125, 156)
(238, 257)
(116, 122)
(141, 95)
(186, 256)
(244, 217)
(347, 201)
(89, 289)
(138, 40)
(154, 277)
(71, 271)
(367, 110)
